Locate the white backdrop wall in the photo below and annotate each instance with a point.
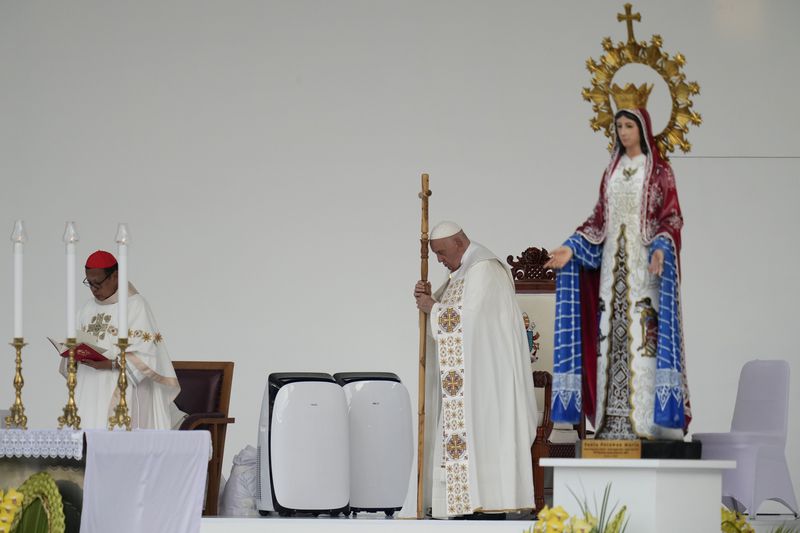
(267, 157)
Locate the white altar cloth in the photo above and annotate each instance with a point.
(144, 480)
(662, 496)
(54, 443)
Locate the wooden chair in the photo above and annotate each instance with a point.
(205, 396)
(531, 278)
(541, 446)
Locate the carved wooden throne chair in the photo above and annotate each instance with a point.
(536, 287)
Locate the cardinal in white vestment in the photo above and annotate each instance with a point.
(480, 406)
(152, 384)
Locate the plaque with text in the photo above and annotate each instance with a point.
(611, 449)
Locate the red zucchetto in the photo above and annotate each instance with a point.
(100, 259)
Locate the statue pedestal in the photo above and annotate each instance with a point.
(662, 496)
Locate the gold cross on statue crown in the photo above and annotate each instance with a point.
(669, 68)
(629, 17)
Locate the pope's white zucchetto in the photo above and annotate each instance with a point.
(444, 229)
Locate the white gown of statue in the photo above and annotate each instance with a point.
(152, 385)
(626, 380)
(480, 405)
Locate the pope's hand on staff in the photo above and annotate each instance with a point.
(422, 293)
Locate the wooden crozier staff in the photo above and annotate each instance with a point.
(423, 319)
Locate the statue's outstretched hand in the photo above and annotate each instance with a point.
(657, 263)
(559, 257)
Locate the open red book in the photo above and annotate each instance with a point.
(84, 350)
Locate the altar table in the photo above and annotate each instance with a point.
(134, 481)
(661, 495)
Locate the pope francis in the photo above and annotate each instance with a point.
(481, 410)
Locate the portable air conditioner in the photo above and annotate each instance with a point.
(381, 440)
(303, 446)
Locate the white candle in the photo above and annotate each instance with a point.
(18, 237)
(70, 240)
(122, 278)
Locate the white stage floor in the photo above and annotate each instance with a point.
(370, 523)
(363, 524)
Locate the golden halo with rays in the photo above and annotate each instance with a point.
(668, 67)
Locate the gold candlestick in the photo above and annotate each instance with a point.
(121, 417)
(17, 418)
(70, 417)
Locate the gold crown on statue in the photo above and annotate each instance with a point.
(649, 54)
(631, 96)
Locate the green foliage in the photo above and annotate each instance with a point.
(33, 519)
(41, 488)
(607, 521)
(735, 522)
(604, 520)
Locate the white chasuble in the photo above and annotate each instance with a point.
(152, 385)
(480, 406)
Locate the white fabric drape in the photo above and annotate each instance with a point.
(144, 480)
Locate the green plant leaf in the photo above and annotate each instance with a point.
(33, 519)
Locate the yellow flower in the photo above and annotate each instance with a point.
(736, 521)
(8, 507)
(728, 515)
(560, 513)
(6, 517)
(554, 525)
(580, 526)
(544, 514)
(13, 496)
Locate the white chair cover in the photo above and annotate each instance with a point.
(757, 440)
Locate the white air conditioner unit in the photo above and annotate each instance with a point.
(381, 440)
(303, 446)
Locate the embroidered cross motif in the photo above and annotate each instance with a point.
(449, 320)
(452, 383)
(456, 446)
(98, 325)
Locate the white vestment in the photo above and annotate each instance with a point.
(152, 385)
(480, 405)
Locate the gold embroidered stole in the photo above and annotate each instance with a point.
(450, 343)
(100, 324)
